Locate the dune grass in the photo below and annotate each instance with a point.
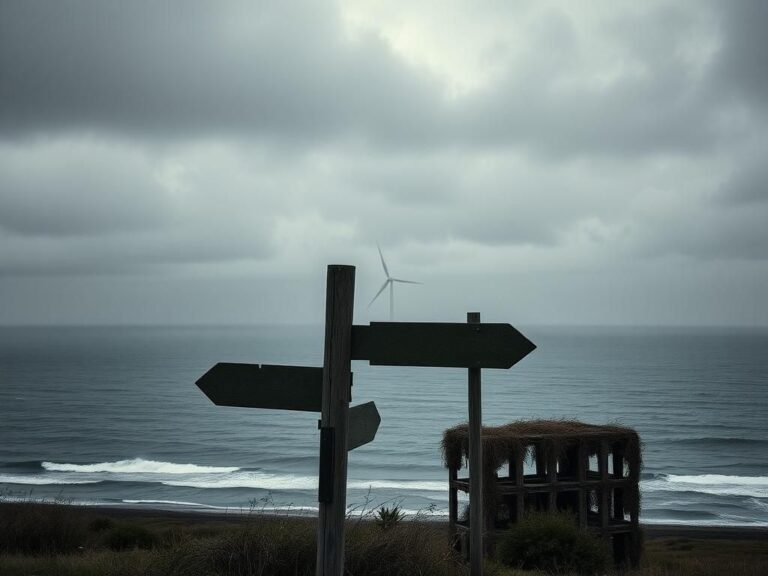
(705, 557)
(90, 543)
(55, 540)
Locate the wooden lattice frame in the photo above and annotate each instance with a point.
(604, 498)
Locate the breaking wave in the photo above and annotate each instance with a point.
(256, 480)
(176, 503)
(139, 470)
(714, 484)
(265, 481)
(40, 480)
(418, 485)
(138, 466)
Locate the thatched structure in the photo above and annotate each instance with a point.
(591, 471)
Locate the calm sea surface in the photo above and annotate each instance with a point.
(112, 416)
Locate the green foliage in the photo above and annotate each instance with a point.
(387, 517)
(130, 536)
(552, 542)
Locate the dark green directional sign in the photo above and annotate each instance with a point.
(363, 424)
(440, 344)
(283, 388)
(264, 386)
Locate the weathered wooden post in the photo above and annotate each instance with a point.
(339, 302)
(475, 465)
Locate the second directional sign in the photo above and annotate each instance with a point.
(440, 344)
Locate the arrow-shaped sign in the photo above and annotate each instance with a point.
(283, 388)
(440, 344)
(363, 424)
(264, 386)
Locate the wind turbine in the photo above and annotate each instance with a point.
(391, 283)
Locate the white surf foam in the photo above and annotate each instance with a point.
(138, 466)
(289, 510)
(235, 510)
(177, 503)
(713, 484)
(265, 481)
(416, 485)
(437, 513)
(720, 479)
(731, 523)
(41, 480)
(242, 479)
(197, 476)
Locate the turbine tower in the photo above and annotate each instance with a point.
(391, 283)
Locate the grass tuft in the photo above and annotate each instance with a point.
(387, 517)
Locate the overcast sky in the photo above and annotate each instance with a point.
(539, 162)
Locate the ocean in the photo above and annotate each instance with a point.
(112, 416)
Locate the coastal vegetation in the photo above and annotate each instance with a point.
(61, 540)
(553, 543)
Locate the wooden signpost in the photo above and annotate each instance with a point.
(328, 390)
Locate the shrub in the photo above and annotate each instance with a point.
(551, 542)
(388, 517)
(130, 536)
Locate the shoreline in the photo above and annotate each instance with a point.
(650, 531)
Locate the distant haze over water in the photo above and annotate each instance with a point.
(111, 415)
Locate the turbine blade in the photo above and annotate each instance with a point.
(386, 282)
(384, 264)
(405, 281)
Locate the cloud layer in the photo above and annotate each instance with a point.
(598, 163)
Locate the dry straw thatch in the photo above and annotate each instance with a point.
(512, 441)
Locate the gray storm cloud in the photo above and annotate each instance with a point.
(284, 70)
(613, 156)
(189, 69)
